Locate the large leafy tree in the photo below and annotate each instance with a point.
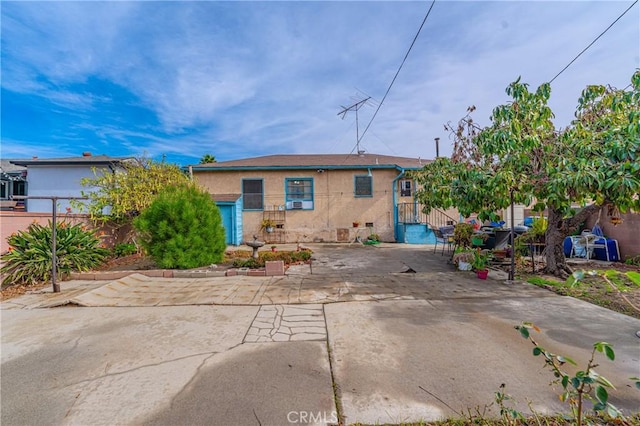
(593, 163)
(118, 195)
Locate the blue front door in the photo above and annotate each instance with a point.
(227, 221)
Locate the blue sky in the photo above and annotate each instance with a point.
(241, 79)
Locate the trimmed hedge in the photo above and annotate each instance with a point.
(182, 228)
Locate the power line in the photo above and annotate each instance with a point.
(397, 72)
(591, 44)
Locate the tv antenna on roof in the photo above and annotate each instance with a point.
(355, 107)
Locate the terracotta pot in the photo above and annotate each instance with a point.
(482, 274)
(500, 254)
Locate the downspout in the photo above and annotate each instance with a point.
(395, 202)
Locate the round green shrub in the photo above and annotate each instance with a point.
(28, 260)
(182, 228)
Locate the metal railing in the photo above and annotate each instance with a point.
(412, 213)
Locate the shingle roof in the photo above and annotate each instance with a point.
(225, 198)
(326, 161)
(7, 166)
(88, 160)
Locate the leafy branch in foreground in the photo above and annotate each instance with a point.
(584, 384)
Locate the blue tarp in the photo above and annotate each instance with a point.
(598, 253)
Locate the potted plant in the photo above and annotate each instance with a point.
(462, 233)
(273, 248)
(539, 229)
(268, 225)
(463, 259)
(499, 254)
(479, 263)
(478, 238)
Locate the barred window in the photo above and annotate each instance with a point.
(364, 186)
(252, 194)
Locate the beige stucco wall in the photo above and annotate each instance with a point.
(335, 205)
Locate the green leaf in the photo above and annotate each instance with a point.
(613, 411)
(575, 382)
(567, 359)
(524, 332)
(603, 381)
(537, 351)
(608, 350)
(565, 381)
(601, 394)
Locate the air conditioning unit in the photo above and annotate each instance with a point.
(296, 205)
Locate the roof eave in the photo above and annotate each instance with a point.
(314, 167)
(28, 163)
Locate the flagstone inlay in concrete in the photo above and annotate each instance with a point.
(287, 323)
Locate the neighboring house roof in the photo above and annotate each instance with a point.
(7, 168)
(85, 160)
(315, 161)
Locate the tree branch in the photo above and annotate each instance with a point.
(582, 216)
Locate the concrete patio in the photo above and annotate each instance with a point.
(376, 334)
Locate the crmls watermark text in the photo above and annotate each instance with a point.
(312, 417)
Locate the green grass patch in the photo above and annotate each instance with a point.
(616, 278)
(610, 273)
(539, 281)
(634, 277)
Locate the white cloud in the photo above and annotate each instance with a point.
(235, 79)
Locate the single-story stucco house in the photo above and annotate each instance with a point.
(61, 177)
(317, 197)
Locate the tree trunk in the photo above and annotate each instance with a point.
(554, 239)
(558, 228)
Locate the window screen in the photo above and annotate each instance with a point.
(364, 186)
(252, 194)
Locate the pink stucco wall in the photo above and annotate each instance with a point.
(627, 233)
(11, 222)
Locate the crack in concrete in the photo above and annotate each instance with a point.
(337, 394)
(193, 378)
(119, 373)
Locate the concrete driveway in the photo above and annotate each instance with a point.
(375, 334)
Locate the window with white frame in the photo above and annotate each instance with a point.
(299, 193)
(405, 188)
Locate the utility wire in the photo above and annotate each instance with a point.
(591, 44)
(396, 76)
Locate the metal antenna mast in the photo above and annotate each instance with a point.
(355, 107)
